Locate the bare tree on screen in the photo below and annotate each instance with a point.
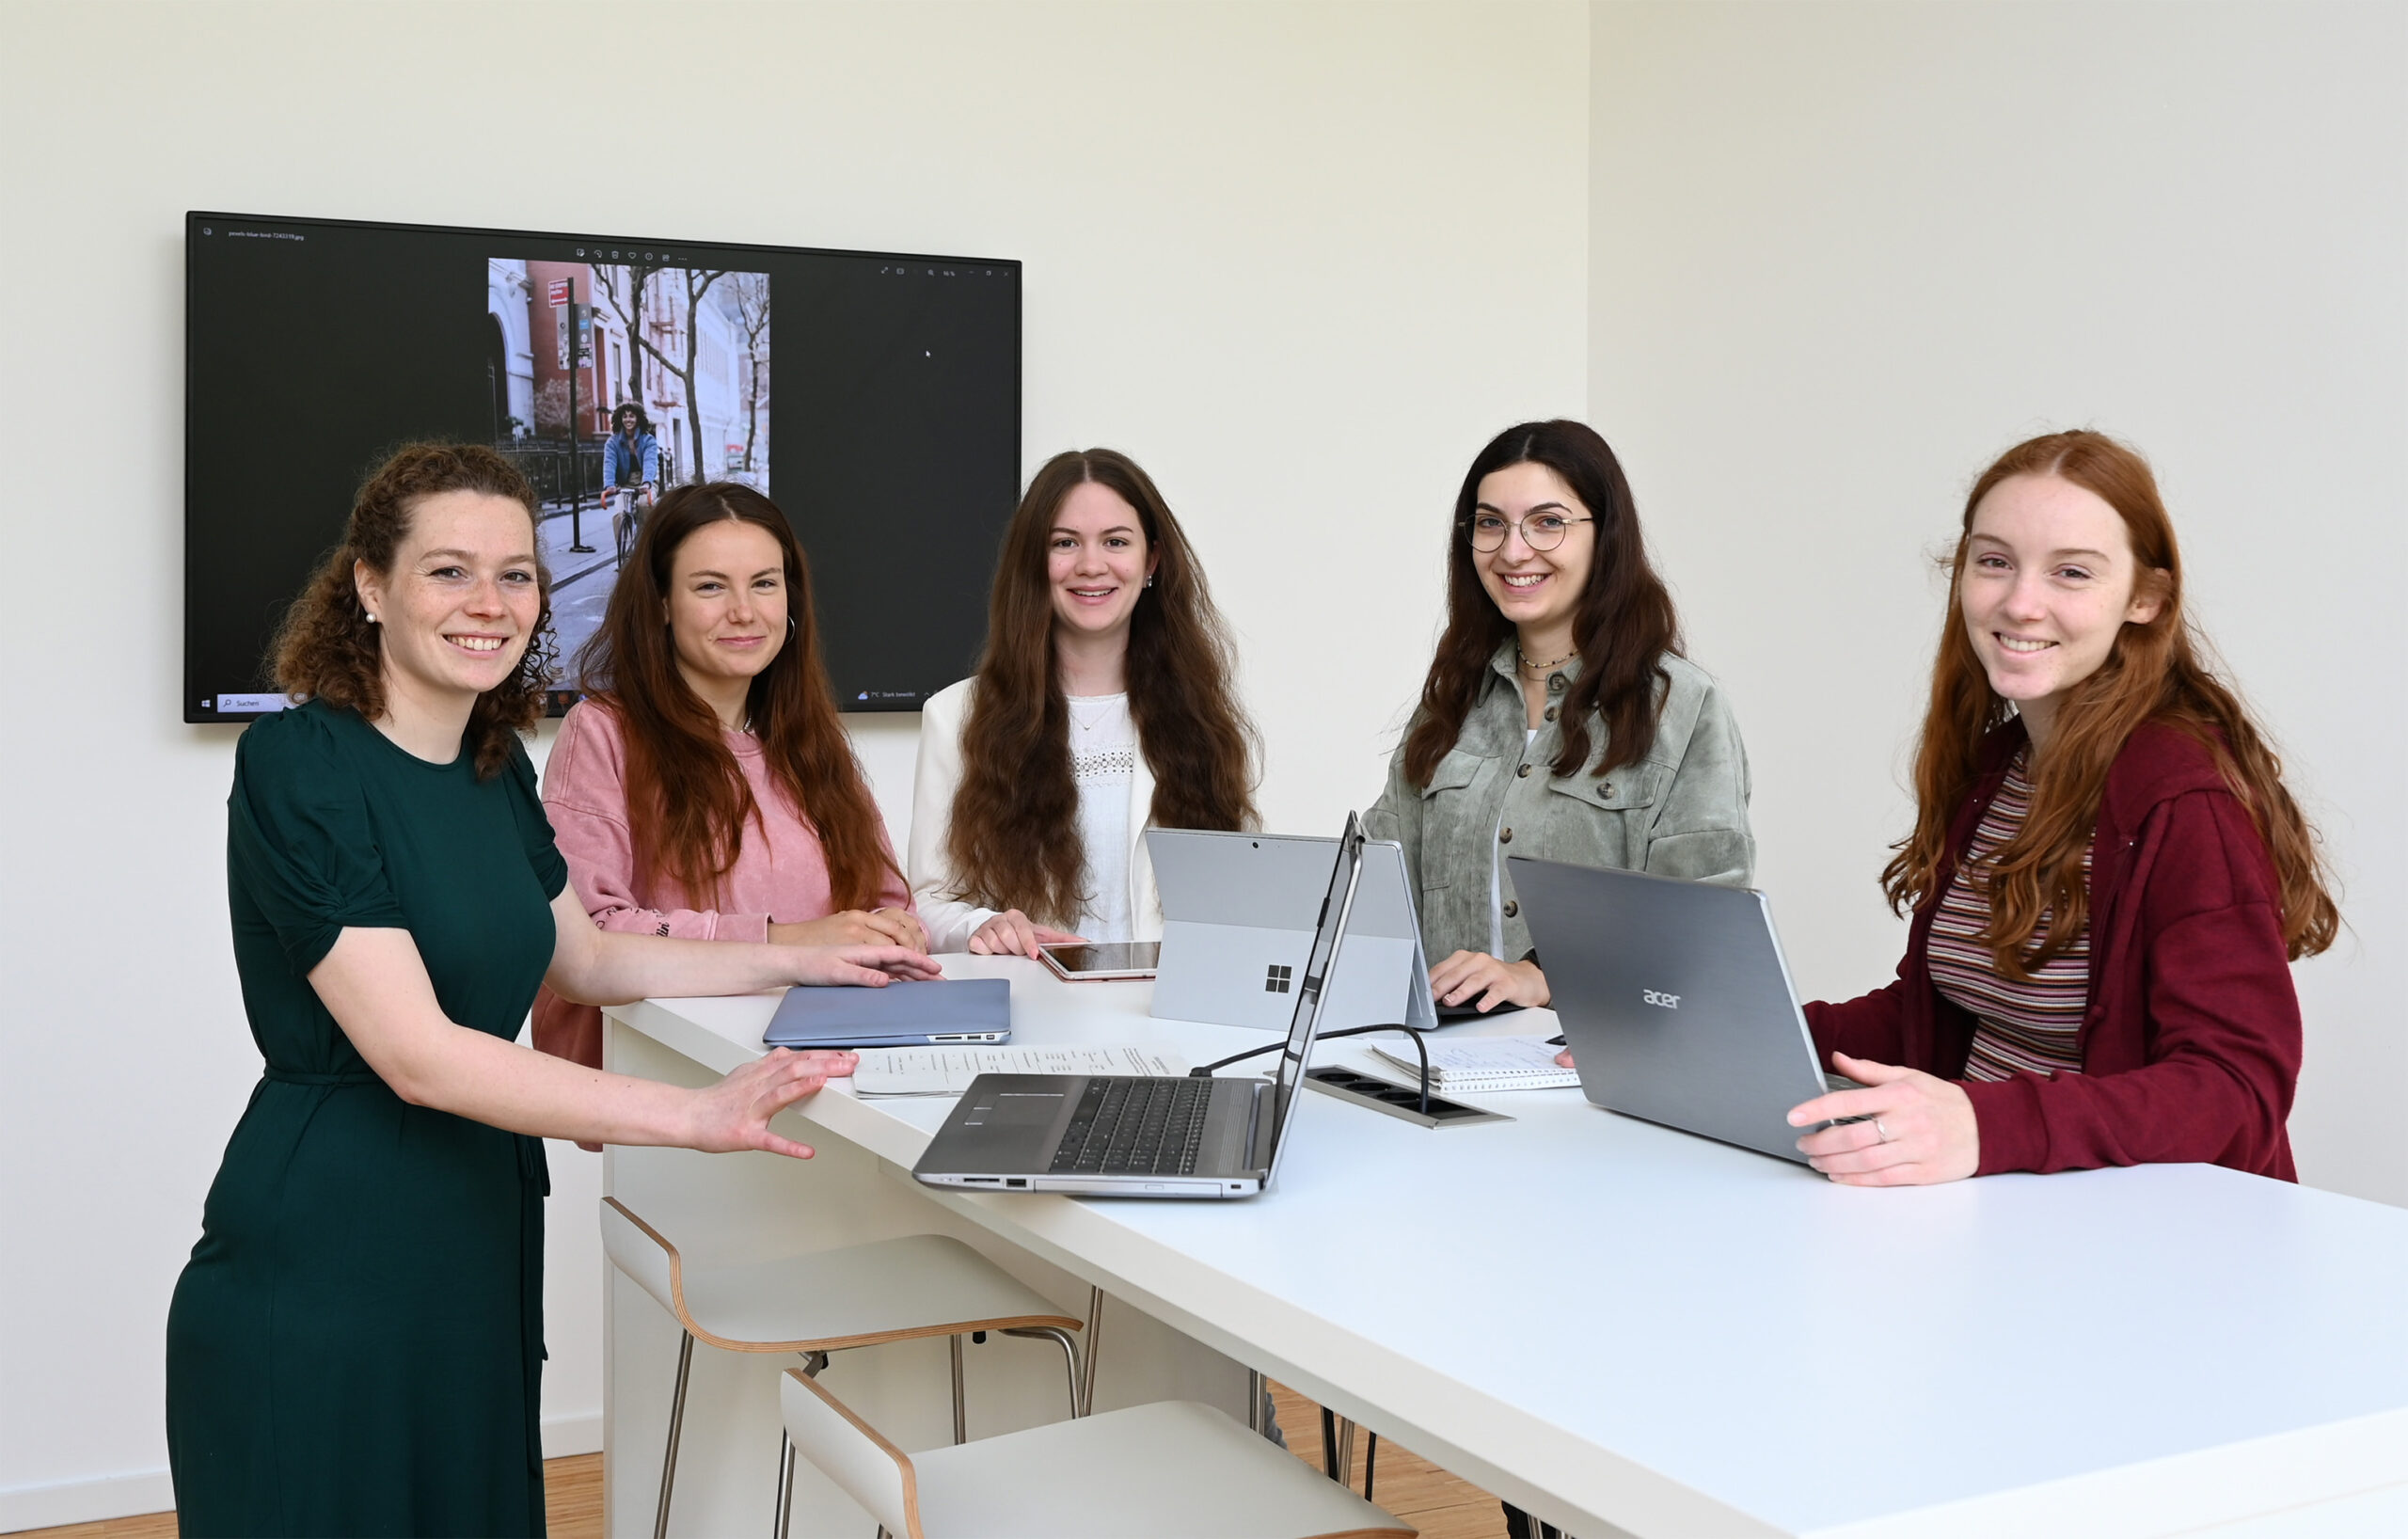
(753, 313)
(634, 281)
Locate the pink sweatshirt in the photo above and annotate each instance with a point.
(779, 873)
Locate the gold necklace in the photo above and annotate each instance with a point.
(1538, 669)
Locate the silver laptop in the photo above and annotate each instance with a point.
(1147, 1136)
(1675, 1000)
(904, 1013)
(1238, 921)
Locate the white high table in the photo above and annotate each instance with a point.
(1614, 1326)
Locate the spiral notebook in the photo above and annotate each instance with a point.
(1484, 1063)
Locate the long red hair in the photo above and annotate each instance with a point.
(1015, 833)
(688, 801)
(2154, 672)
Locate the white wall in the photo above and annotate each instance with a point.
(1299, 259)
(1845, 253)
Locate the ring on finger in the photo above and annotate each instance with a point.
(1883, 1132)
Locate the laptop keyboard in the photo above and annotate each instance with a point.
(1135, 1126)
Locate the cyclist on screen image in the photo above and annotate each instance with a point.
(630, 472)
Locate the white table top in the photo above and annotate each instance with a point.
(1615, 1323)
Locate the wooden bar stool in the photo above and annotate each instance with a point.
(1173, 1470)
(826, 1301)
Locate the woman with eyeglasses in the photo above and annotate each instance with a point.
(1558, 719)
(1102, 707)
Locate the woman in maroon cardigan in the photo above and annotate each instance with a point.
(2107, 876)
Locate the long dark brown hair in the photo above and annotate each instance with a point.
(688, 801)
(1015, 835)
(1622, 629)
(327, 649)
(2154, 672)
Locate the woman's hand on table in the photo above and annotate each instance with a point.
(1477, 976)
(875, 965)
(734, 1115)
(1012, 934)
(855, 926)
(1919, 1128)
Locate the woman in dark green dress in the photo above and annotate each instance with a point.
(356, 1345)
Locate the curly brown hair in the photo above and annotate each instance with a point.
(1015, 833)
(327, 648)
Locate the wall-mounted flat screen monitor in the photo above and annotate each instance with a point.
(874, 397)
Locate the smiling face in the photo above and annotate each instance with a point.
(626, 422)
(461, 603)
(2048, 582)
(1096, 560)
(726, 604)
(1538, 589)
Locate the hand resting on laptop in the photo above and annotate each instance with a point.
(1917, 1128)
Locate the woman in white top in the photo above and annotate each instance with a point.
(1102, 707)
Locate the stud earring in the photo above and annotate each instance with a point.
(372, 619)
(1150, 580)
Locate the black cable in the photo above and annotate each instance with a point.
(1419, 1048)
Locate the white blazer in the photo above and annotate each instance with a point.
(951, 922)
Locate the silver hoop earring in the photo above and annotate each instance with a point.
(790, 625)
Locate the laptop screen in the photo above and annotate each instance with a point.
(1336, 904)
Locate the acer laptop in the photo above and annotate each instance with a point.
(1148, 1135)
(1238, 919)
(1676, 1001)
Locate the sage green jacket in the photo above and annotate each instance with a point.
(1681, 812)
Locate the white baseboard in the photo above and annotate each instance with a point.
(567, 1435)
(62, 1502)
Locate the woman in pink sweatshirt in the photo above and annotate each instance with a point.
(705, 789)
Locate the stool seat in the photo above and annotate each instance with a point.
(1174, 1470)
(829, 1300)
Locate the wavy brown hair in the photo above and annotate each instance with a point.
(1623, 627)
(2154, 672)
(688, 801)
(327, 648)
(1015, 833)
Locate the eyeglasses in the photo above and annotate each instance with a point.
(1539, 531)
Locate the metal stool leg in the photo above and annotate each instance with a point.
(785, 1484)
(1329, 1445)
(677, 1423)
(961, 1407)
(1086, 1360)
(1070, 1355)
(1370, 1463)
(1254, 1401)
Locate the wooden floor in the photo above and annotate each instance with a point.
(1425, 1496)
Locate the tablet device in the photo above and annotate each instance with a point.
(1081, 961)
(901, 1014)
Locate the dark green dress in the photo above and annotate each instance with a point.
(355, 1346)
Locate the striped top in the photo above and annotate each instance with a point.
(2018, 1026)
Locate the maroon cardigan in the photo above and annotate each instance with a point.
(2191, 1041)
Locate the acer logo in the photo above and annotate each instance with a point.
(1669, 1002)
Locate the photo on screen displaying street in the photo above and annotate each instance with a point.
(611, 383)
